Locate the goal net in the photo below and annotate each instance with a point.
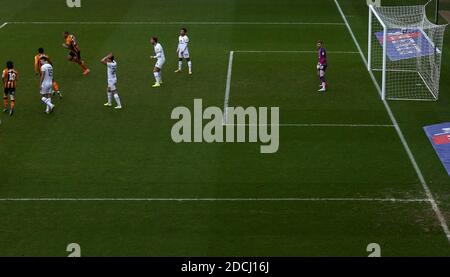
(405, 52)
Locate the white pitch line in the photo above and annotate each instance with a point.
(320, 125)
(411, 157)
(295, 51)
(172, 23)
(228, 87)
(3, 25)
(392, 200)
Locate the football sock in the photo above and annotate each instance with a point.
(47, 108)
(5, 101)
(13, 103)
(117, 97)
(48, 102)
(109, 97)
(190, 66)
(324, 85)
(157, 77)
(180, 65)
(83, 66)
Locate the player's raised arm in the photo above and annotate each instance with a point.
(105, 59)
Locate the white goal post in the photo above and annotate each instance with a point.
(405, 52)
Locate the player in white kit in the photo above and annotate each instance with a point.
(111, 64)
(160, 60)
(183, 51)
(46, 83)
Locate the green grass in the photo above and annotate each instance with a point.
(87, 151)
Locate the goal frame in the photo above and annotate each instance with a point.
(376, 63)
(373, 13)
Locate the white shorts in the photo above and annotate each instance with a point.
(112, 85)
(160, 63)
(46, 88)
(184, 54)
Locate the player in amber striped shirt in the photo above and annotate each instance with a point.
(75, 53)
(9, 78)
(37, 69)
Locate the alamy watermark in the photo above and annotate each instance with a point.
(73, 3)
(374, 250)
(74, 250)
(234, 125)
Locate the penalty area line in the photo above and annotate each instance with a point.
(228, 87)
(3, 25)
(173, 23)
(295, 52)
(318, 125)
(391, 200)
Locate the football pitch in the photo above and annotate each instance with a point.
(351, 170)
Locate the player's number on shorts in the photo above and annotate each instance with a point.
(374, 249)
(74, 250)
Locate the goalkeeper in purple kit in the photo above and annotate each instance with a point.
(322, 66)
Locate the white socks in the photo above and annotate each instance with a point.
(48, 102)
(180, 65)
(157, 77)
(117, 98)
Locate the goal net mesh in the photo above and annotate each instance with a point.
(405, 52)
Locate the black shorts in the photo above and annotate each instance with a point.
(10, 91)
(75, 54)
